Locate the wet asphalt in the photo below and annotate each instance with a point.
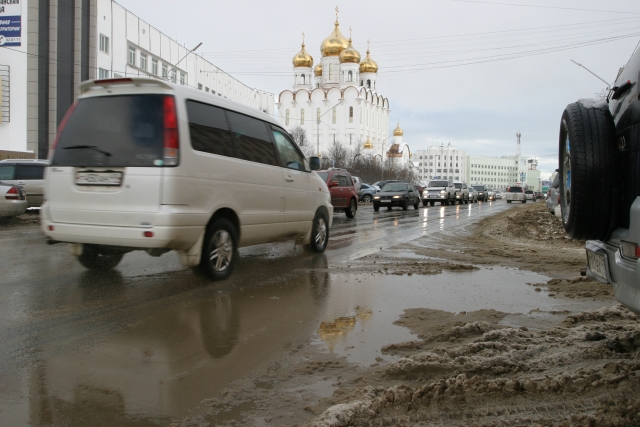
(144, 343)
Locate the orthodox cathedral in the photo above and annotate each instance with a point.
(338, 100)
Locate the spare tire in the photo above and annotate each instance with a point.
(589, 182)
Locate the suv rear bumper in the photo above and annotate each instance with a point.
(623, 273)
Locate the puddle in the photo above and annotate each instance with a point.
(357, 319)
(321, 389)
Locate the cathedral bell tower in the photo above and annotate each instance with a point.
(302, 74)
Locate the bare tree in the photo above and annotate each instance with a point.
(300, 137)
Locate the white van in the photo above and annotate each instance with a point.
(142, 164)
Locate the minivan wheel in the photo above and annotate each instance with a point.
(99, 259)
(588, 165)
(351, 210)
(220, 250)
(319, 233)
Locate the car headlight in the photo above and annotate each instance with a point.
(376, 197)
(442, 192)
(397, 197)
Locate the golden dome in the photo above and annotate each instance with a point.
(302, 58)
(368, 144)
(368, 65)
(335, 43)
(350, 55)
(318, 70)
(398, 131)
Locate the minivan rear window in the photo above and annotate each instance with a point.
(117, 131)
(28, 172)
(515, 190)
(7, 172)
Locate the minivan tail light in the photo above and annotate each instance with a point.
(171, 140)
(12, 194)
(630, 250)
(63, 123)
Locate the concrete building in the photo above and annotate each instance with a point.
(63, 42)
(494, 172)
(441, 161)
(338, 100)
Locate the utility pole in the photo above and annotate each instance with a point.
(518, 152)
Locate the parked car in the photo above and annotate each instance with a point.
(516, 194)
(473, 195)
(482, 193)
(491, 194)
(13, 200)
(176, 169)
(553, 194)
(367, 193)
(379, 184)
(342, 189)
(439, 190)
(462, 192)
(397, 193)
(498, 195)
(529, 194)
(28, 174)
(599, 185)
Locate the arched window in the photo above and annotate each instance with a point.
(318, 114)
(350, 113)
(286, 119)
(361, 83)
(350, 76)
(334, 116)
(303, 80)
(302, 116)
(368, 84)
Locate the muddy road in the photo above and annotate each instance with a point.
(401, 322)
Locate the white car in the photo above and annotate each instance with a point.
(28, 174)
(516, 194)
(13, 200)
(142, 164)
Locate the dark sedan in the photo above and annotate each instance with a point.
(397, 194)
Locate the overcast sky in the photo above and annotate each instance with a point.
(467, 72)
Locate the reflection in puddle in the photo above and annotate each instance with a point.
(333, 332)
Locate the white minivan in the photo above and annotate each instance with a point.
(142, 164)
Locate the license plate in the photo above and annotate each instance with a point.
(597, 264)
(99, 178)
(385, 201)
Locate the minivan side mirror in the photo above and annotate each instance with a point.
(314, 163)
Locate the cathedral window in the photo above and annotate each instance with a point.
(286, 119)
(303, 79)
(350, 113)
(350, 76)
(334, 116)
(368, 84)
(302, 116)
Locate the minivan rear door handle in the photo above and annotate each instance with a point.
(289, 179)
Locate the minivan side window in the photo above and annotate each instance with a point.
(30, 172)
(209, 129)
(252, 140)
(290, 157)
(343, 181)
(7, 172)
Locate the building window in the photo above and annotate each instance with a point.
(350, 76)
(302, 116)
(182, 78)
(286, 119)
(350, 113)
(318, 115)
(104, 43)
(164, 71)
(103, 74)
(330, 72)
(132, 55)
(143, 61)
(206, 89)
(154, 66)
(333, 119)
(173, 77)
(199, 86)
(303, 79)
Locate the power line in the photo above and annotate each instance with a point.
(546, 7)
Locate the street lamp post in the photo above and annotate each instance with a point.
(176, 65)
(318, 126)
(382, 155)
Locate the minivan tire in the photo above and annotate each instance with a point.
(221, 237)
(319, 233)
(588, 156)
(351, 210)
(99, 259)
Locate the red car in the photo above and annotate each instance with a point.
(343, 193)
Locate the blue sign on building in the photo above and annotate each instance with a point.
(10, 23)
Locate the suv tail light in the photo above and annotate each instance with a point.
(630, 250)
(171, 140)
(61, 127)
(13, 194)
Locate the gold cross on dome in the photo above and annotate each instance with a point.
(337, 11)
(349, 32)
(303, 37)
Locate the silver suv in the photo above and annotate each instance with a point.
(439, 190)
(462, 192)
(29, 174)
